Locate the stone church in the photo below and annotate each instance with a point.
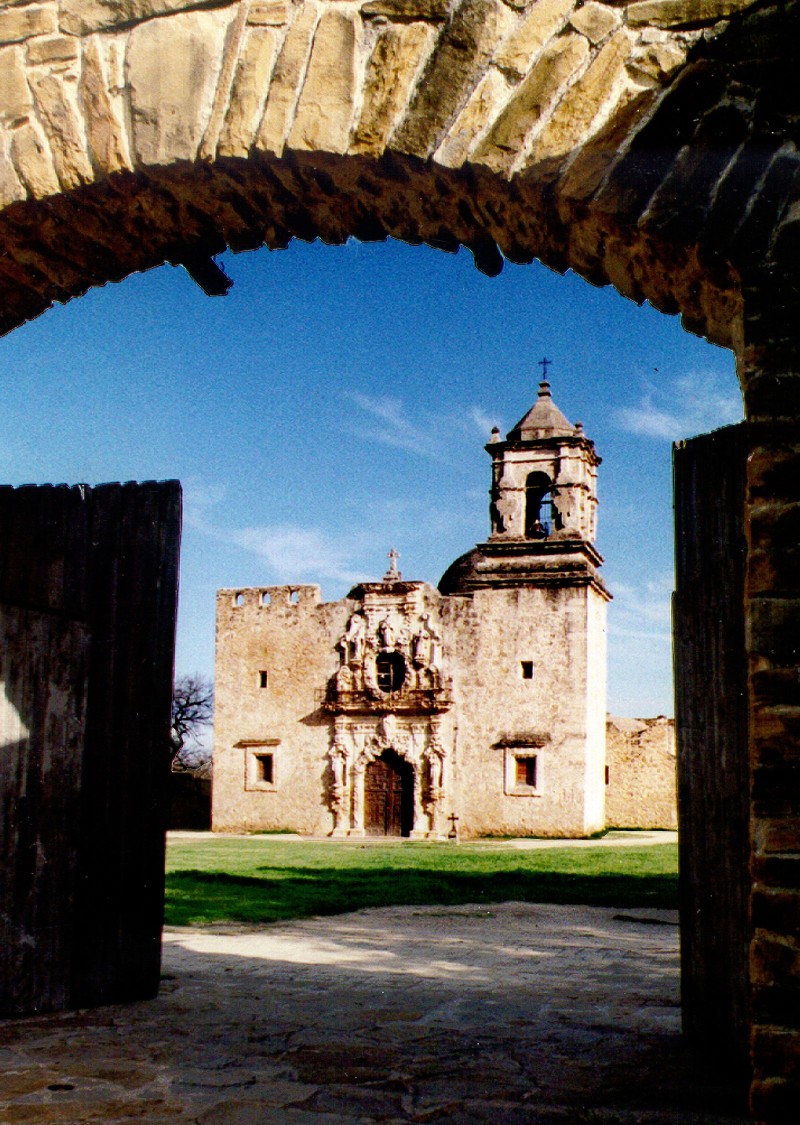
(405, 710)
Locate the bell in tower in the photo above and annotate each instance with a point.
(544, 477)
(543, 506)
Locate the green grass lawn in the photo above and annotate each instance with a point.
(265, 879)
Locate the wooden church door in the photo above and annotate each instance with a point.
(388, 796)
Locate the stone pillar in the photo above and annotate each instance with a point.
(770, 362)
(418, 831)
(357, 821)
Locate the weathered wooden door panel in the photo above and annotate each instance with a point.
(103, 563)
(44, 662)
(388, 793)
(712, 736)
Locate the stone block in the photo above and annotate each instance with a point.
(16, 99)
(771, 395)
(595, 21)
(106, 133)
(171, 105)
(327, 100)
(518, 53)
(657, 61)
(777, 1051)
(57, 110)
(776, 912)
(11, 188)
(775, 629)
(584, 101)
(394, 65)
(17, 24)
(249, 91)
(82, 17)
(535, 95)
(53, 49)
(268, 13)
(774, 472)
(682, 13)
(286, 80)
(491, 93)
(777, 834)
(407, 10)
(454, 69)
(774, 1101)
(33, 160)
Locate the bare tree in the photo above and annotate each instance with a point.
(192, 711)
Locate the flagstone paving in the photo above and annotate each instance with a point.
(516, 1013)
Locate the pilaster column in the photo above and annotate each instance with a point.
(357, 789)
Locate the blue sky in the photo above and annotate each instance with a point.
(336, 404)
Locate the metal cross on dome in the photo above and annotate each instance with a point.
(544, 364)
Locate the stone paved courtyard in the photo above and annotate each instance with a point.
(512, 1013)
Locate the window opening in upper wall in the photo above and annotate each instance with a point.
(294, 597)
(238, 599)
(391, 671)
(262, 678)
(527, 669)
(266, 599)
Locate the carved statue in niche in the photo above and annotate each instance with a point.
(370, 674)
(352, 642)
(434, 755)
(344, 678)
(426, 645)
(386, 634)
(339, 757)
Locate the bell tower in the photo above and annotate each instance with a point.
(543, 507)
(528, 636)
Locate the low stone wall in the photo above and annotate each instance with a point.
(640, 773)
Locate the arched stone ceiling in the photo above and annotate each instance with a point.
(651, 144)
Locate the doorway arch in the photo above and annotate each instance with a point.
(389, 795)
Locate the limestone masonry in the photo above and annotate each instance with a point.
(401, 707)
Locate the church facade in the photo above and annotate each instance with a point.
(409, 710)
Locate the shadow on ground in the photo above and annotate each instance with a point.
(198, 896)
(466, 1015)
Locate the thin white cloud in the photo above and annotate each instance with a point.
(292, 552)
(682, 407)
(391, 426)
(642, 611)
(482, 420)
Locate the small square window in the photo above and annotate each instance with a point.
(527, 669)
(262, 678)
(261, 767)
(523, 771)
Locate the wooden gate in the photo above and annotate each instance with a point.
(88, 598)
(712, 738)
(388, 796)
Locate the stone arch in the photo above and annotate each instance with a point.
(639, 144)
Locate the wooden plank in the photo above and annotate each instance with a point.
(712, 737)
(108, 557)
(133, 602)
(44, 662)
